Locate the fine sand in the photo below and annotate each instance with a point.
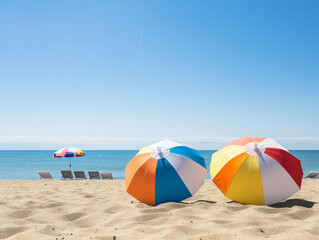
(86, 209)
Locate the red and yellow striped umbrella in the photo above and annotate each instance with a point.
(254, 170)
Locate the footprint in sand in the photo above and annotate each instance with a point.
(147, 217)
(85, 222)
(10, 231)
(20, 214)
(70, 217)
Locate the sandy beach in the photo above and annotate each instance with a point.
(84, 209)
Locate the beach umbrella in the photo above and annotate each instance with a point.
(69, 153)
(255, 170)
(165, 172)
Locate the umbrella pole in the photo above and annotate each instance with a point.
(70, 164)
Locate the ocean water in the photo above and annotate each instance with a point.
(25, 164)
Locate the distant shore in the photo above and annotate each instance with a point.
(86, 209)
(12, 162)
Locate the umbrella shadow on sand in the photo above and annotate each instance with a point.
(198, 201)
(288, 203)
(294, 202)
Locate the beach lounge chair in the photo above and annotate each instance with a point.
(312, 174)
(94, 175)
(66, 174)
(106, 175)
(79, 175)
(45, 175)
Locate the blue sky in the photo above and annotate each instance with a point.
(121, 74)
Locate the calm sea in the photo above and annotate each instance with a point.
(25, 164)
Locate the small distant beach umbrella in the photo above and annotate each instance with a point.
(257, 171)
(69, 153)
(165, 172)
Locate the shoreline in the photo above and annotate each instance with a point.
(101, 209)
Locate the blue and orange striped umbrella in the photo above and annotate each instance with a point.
(165, 172)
